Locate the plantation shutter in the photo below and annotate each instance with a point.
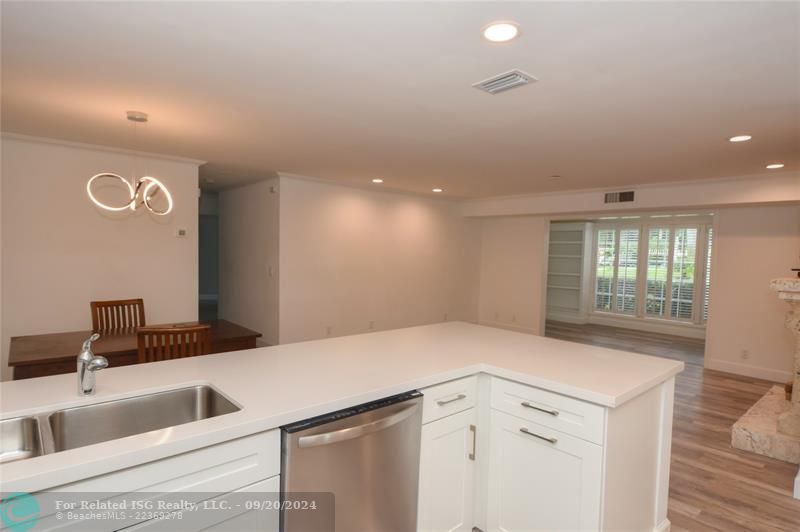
(684, 252)
(627, 267)
(657, 271)
(707, 284)
(606, 257)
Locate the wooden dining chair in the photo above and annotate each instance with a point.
(117, 315)
(178, 341)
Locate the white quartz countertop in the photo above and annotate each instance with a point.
(287, 383)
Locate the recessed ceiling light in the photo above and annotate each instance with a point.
(774, 166)
(377, 180)
(500, 31)
(437, 190)
(740, 138)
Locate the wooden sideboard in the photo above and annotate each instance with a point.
(51, 354)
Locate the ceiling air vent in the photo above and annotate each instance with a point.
(505, 81)
(619, 197)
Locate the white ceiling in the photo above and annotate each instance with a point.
(629, 93)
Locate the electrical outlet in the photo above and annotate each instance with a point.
(496, 316)
(371, 325)
(445, 316)
(513, 318)
(328, 330)
(745, 354)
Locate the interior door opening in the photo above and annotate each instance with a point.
(208, 257)
(637, 283)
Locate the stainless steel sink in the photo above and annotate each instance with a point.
(20, 438)
(85, 425)
(26, 437)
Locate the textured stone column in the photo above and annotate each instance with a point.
(789, 290)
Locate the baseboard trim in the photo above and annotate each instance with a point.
(508, 327)
(774, 375)
(649, 325)
(567, 317)
(797, 485)
(663, 526)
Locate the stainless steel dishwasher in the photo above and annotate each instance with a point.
(367, 456)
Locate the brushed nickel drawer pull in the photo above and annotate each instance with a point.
(529, 433)
(526, 404)
(456, 398)
(472, 454)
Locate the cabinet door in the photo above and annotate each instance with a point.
(447, 471)
(541, 479)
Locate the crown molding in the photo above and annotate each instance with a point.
(644, 186)
(97, 147)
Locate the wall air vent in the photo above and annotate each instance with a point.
(619, 197)
(505, 81)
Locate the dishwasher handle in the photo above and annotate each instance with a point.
(349, 433)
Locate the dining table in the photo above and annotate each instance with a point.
(41, 355)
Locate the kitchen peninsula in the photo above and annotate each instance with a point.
(595, 446)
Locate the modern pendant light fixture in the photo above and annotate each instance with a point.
(141, 191)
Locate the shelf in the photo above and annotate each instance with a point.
(565, 257)
(566, 242)
(564, 274)
(563, 287)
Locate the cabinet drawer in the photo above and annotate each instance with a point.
(198, 475)
(448, 398)
(226, 512)
(564, 414)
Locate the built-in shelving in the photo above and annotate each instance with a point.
(566, 268)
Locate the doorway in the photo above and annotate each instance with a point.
(632, 282)
(208, 257)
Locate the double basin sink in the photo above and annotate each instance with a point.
(51, 432)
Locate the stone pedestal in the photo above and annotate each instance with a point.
(789, 291)
(772, 426)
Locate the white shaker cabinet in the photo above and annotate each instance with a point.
(447, 474)
(541, 479)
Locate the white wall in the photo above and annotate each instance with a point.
(752, 245)
(350, 256)
(59, 251)
(248, 257)
(513, 268)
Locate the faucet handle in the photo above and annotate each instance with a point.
(87, 345)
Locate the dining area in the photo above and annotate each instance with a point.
(124, 338)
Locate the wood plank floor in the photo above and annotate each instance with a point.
(689, 350)
(713, 487)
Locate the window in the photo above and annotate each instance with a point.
(683, 266)
(657, 267)
(668, 279)
(606, 240)
(707, 282)
(627, 269)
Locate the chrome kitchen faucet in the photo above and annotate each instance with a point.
(88, 363)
